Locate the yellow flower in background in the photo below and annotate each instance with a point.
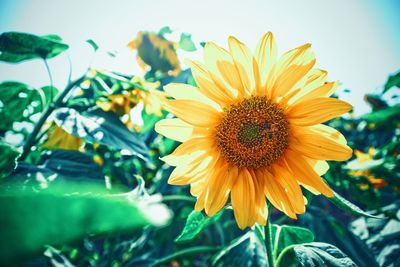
(57, 138)
(253, 129)
(157, 52)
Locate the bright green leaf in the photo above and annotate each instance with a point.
(195, 224)
(66, 212)
(382, 116)
(393, 81)
(8, 159)
(164, 30)
(18, 46)
(285, 235)
(92, 44)
(186, 43)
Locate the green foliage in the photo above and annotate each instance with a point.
(393, 81)
(186, 42)
(383, 115)
(92, 44)
(63, 213)
(8, 159)
(18, 46)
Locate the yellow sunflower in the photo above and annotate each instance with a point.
(253, 129)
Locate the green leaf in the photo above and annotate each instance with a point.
(383, 115)
(346, 205)
(393, 81)
(66, 212)
(164, 30)
(18, 46)
(316, 254)
(8, 159)
(247, 250)
(195, 224)
(17, 103)
(285, 235)
(92, 44)
(186, 42)
(97, 126)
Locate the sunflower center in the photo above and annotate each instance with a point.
(254, 133)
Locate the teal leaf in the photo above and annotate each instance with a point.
(393, 81)
(164, 30)
(92, 44)
(16, 47)
(346, 205)
(186, 43)
(66, 212)
(98, 126)
(8, 159)
(247, 250)
(383, 115)
(195, 224)
(285, 235)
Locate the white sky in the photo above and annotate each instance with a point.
(356, 41)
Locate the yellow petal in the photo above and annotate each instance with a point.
(291, 68)
(175, 129)
(318, 145)
(183, 91)
(185, 173)
(193, 112)
(266, 55)
(317, 110)
(220, 62)
(207, 85)
(245, 64)
(315, 78)
(243, 199)
(305, 174)
(325, 90)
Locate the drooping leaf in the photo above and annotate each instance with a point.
(346, 205)
(383, 115)
(317, 254)
(92, 44)
(285, 235)
(393, 81)
(18, 46)
(186, 42)
(247, 250)
(98, 126)
(63, 213)
(195, 224)
(8, 159)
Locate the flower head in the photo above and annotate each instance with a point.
(253, 130)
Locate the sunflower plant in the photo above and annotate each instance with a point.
(248, 158)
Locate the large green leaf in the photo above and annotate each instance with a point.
(393, 81)
(65, 212)
(346, 205)
(18, 46)
(316, 254)
(285, 235)
(195, 224)
(383, 115)
(248, 250)
(8, 159)
(97, 126)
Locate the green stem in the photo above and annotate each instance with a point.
(268, 242)
(50, 78)
(185, 253)
(32, 137)
(178, 198)
(282, 254)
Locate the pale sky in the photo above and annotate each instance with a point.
(356, 41)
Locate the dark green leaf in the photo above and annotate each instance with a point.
(383, 115)
(97, 126)
(92, 44)
(346, 205)
(195, 224)
(318, 254)
(8, 159)
(164, 30)
(393, 81)
(285, 235)
(63, 213)
(186, 42)
(17, 46)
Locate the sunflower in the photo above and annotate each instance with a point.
(253, 130)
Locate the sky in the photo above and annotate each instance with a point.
(356, 41)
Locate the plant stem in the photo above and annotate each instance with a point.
(268, 241)
(32, 137)
(178, 198)
(284, 251)
(50, 78)
(185, 253)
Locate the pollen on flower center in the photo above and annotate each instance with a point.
(253, 133)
